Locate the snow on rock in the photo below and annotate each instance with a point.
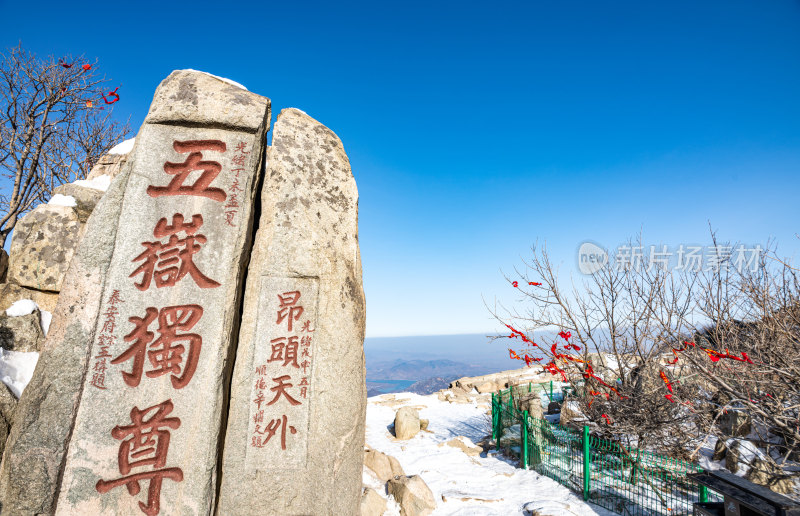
(45, 318)
(487, 484)
(98, 183)
(16, 369)
(223, 79)
(62, 200)
(21, 307)
(122, 148)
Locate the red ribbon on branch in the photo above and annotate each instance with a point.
(112, 94)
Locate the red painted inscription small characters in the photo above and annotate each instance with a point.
(106, 339)
(181, 171)
(239, 160)
(165, 354)
(145, 443)
(170, 261)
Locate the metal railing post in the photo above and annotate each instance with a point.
(494, 417)
(703, 490)
(587, 463)
(524, 437)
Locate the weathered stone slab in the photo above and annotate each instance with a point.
(108, 165)
(147, 322)
(43, 244)
(9, 293)
(85, 198)
(295, 438)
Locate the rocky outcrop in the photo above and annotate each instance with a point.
(42, 247)
(85, 198)
(406, 423)
(8, 405)
(10, 293)
(768, 474)
(108, 165)
(384, 466)
(413, 495)
(22, 332)
(372, 504)
(502, 380)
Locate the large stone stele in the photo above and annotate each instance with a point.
(43, 244)
(295, 438)
(102, 407)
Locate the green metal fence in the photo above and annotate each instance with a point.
(627, 481)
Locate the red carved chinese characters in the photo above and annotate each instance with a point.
(166, 356)
(284, 349)
(169, 262)
(287, 309)
(258, 441)
(193, 162)
(145, 443)
(106, 340)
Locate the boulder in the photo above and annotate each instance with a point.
(735, 423)
(769, 474)
(21, 332)
(305, 255)
(531, 402)
(42, 247)
(384, 466)
(372, 504)
(720, 449)
(406, 423)
(108, 165)
(571, 412)
(85, 198)
(487, 387)
(413, 495)
(423, 424)
(10, 293)
(8, 405)
(732, 457)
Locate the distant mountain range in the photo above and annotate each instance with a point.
(418, 376)
(424, 364)
(422, 369)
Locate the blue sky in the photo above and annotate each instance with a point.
(477, 129)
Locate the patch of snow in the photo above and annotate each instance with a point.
(487, 484)
(122, 148)
(45, 318)
(300, 110)
(98, 183)
(21, 307)
(223, 79)
(16, 369)
(62, 200)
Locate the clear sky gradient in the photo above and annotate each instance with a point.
(477, 129)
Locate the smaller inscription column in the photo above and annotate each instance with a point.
(280, 406)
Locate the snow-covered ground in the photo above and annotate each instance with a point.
(463, 485)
